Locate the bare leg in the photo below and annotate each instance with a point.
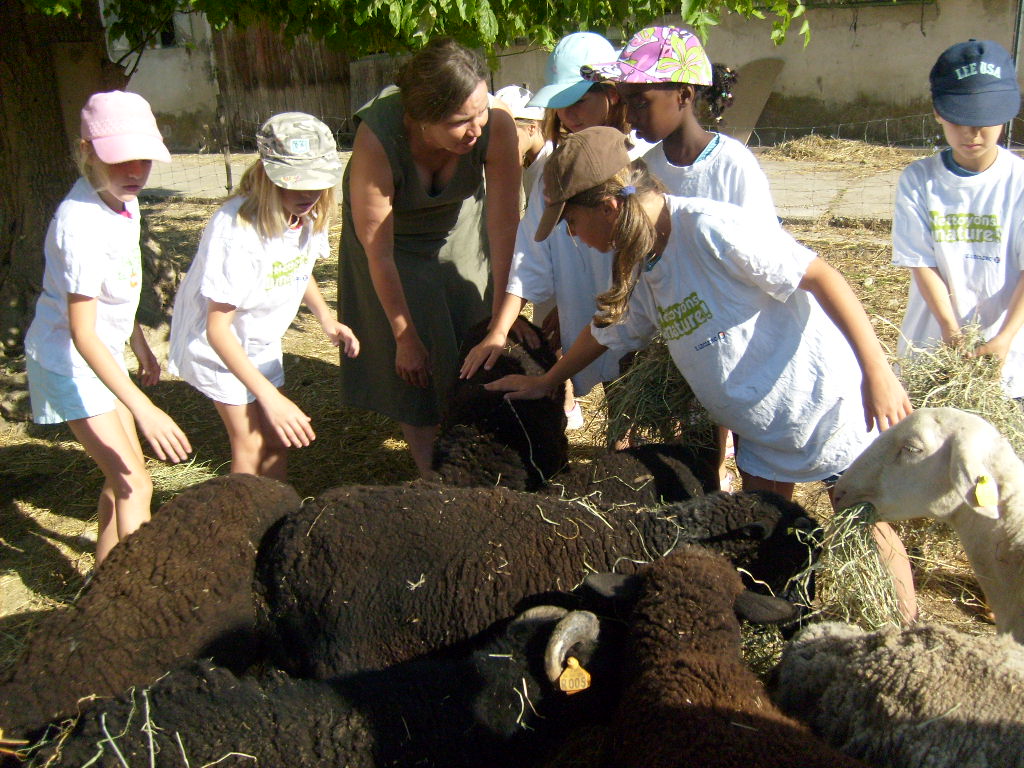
(421, 446)
(755, 483)
(255, 448)
(894, 557)
(722, 441)
(111, 441)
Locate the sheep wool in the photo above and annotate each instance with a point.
(363, 576)
(179, 587)
(688, 698)
(459, 712)
(924, 696)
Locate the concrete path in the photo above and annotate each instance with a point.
(802, 191)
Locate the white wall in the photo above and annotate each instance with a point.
(882, 53)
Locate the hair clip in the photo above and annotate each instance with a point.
(627, 190)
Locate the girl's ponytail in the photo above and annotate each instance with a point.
(633, 237)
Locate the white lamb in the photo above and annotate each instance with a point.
(953, 466)
(924, 696)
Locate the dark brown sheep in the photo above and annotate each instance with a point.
(688, 698)
(178, 588)
(364, 577)
(486, 440)
(493, 707)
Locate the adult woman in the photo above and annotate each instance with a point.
(561, 271)
(413, 265)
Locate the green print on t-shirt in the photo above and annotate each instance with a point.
(281, 272)
(966, 227)
(684, 318)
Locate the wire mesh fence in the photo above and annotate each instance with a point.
(801, 189)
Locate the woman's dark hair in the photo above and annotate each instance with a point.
(438, 79)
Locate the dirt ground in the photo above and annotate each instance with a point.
(48, 486)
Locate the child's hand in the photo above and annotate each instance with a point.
(485, 353)
(521, 387)
(885, 400)
(292, 426)
(163, 434)
(996, 346)
(149, 366)
(342, 336)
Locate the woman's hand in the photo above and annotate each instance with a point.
(340, 335)
(293, 427)
(412, 361)
(485, 353)
(163, 434)
(519, 387)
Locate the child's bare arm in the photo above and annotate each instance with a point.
(885, 400)
(999, 345)
(340, 335)
(285, 417)
(149, 366)
(935, 293)
(163, 434)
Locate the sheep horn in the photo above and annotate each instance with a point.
(525, 623)
(763, 609)
(575, 627)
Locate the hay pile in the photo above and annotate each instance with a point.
(947, 376)
(817, 149)
(651, 402)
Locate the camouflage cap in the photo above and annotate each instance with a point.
(298, 152)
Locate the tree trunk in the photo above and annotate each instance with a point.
(36, 165)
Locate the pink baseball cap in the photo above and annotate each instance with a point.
(121, 127)
(655, 55)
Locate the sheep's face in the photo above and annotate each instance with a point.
(928, 465)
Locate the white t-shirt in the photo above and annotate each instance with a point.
(729, 172)
(532, 172)
(564, 269)
(93, 251)
(759, 353)
(970, 228)
(264, 279)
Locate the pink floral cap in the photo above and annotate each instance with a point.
(656, 55)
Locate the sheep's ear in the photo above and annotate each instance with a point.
(762, 609)
(614, 586)
(969, 473)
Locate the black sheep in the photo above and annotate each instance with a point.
(178, 588)
(688, 699)
(364, 577)
(486, 440)
(493, 707)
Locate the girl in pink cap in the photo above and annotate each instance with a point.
(86, 312)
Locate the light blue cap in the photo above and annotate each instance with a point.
(563, 84)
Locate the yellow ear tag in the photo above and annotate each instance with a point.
(574, 679)
(986, 492)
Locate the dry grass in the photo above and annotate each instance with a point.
(818, 149)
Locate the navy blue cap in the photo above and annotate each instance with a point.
(975, 83)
